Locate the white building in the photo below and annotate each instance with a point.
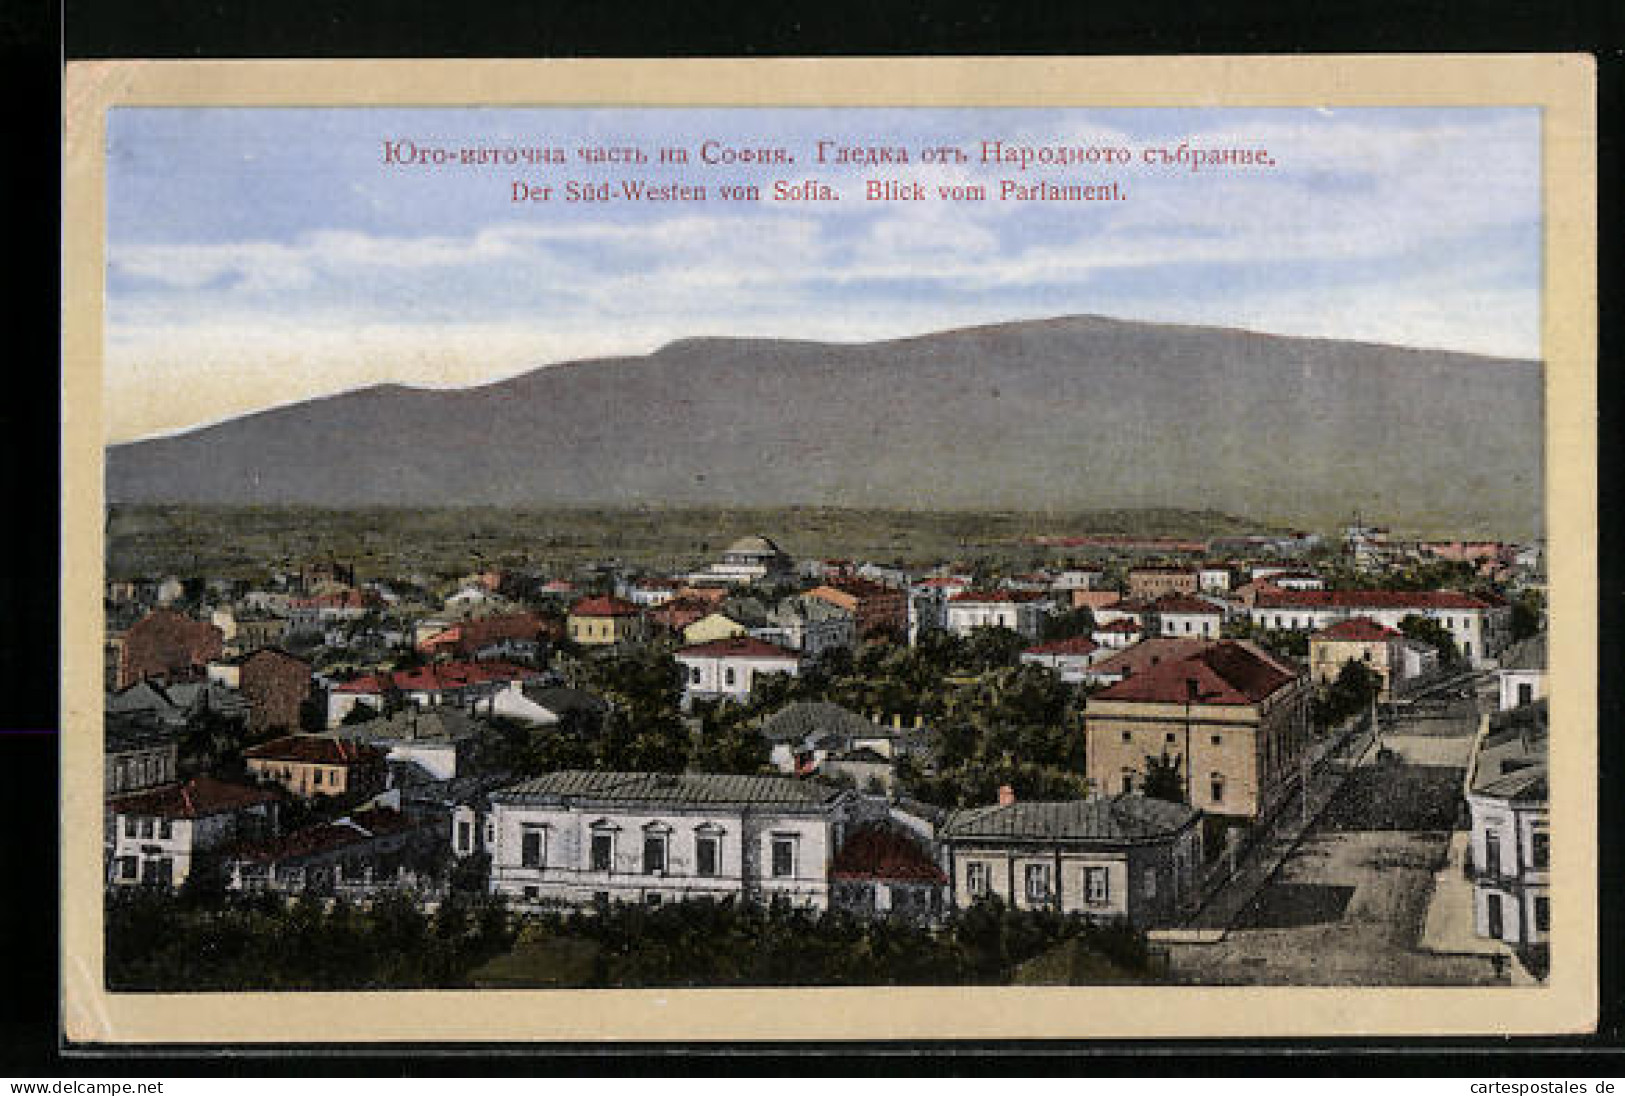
(579, 838)
(1214, 579)
(156, 834)
(1478, 627)
(1069, 658)
(1508, 797)
(729, 667)
(1020, 611)
(1523, 672)
(749, 560)
(1078, 578)
(1176, 615)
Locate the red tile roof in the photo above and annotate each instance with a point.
(439, 678)
(1222, 672)
(197, 798)
(998, 597)
(603, 607)
(882, 852)
(1369, 599)
(1122, 625)
(1363, 629)
(1176, 603)
(1076, 645)
(738, 647)
(318, 749)
(327, 836)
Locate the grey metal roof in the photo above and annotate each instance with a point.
(810, 719)
(1529, 654)
(1129, 818)
(576, 786)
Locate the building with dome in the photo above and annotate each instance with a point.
(747, 560)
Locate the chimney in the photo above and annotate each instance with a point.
(1007, 795)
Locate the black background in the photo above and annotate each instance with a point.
(35, 37)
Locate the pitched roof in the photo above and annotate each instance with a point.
(1360, 629)
(1369, 599)
(809, 719)
(998, 597)
(358, 828)
(1527, 654)
(439, 677)
(199, 797)
(1075, 645)
(738, 647)
(581, 787)
(883, 852)
(1221, 672)
(1177, 603)
(316, 749)
(607, 606)
(1128, 818)
(1122, 624)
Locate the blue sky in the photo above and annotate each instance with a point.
(259, 256)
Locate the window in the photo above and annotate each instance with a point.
(1540, 850)
(707, 854)
(1128, 783)
(532, 846)
(784, 857)
(465, 834)
(533, 893)
(1218, 740)
(1543, 914)
(1216, 787)
(603, 851)
(316, 777)
(976, 878)
(126, 867)
(652, 899)
(1526, 694)
(166, 829)
(654, 854)
(1492, 852)
(694, 675)
(1096, 886)
(1036, 882)
(146, 827)
(129, 827)
(1169, 737)
(1151, 882)
(1128, 736)
(728, 675)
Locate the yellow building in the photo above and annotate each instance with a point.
(1359, 639)
(604, 621)
(312, 765)
(1231, 717)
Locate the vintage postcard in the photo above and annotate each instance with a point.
(814, 550)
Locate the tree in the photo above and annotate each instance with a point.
(1429, 631)
(1067, 625)
(1528, 614)
(313, 713)
(1164, 778)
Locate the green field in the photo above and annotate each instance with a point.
(249, 542)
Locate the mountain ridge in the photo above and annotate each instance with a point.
(1074, 411)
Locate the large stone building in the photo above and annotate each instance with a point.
(1231, 717)
(318, 766)
(578, 838)
(157, 834)
(1359, 639)
(604, 622)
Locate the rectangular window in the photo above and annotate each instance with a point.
(654, 854)
(126, 867)
(465, 834)
(530, 847)
(1543, 914)
(1036, 877)
(129, 827)
(1540, 850)
(1151, 882)
(707, 852)
(166, 829)
(603, 851)
(1096, 886)
(146, 827)
(652, 898)
(784, 857)
(533, 893)
(1216, 788)
(976, 879)
(1218, 740)
(316, 777)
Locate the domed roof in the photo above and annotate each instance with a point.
(753, 546)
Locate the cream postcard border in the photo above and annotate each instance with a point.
(1562, 85)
